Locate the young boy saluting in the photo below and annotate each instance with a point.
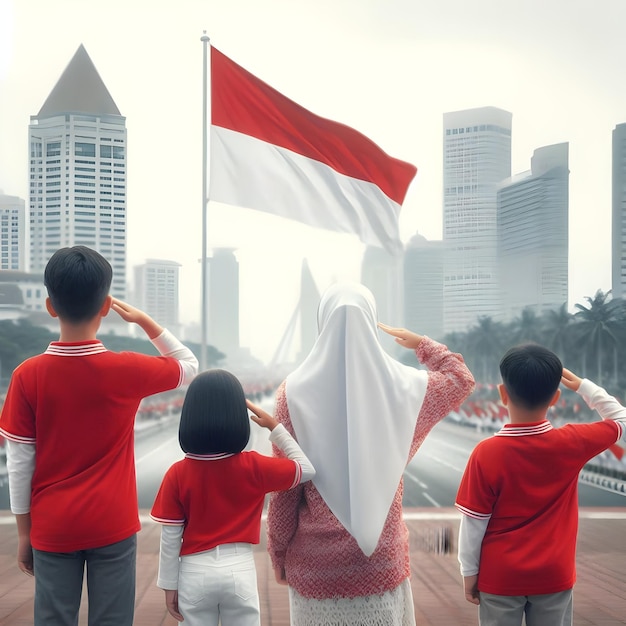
(519, 494)
(69, 423)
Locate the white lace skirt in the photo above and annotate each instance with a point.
(393, 608)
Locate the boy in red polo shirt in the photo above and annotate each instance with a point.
(519, 494)
(69, 419)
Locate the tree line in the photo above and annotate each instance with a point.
(590, 341)
(20, 339)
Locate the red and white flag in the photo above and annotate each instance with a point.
(270, 154)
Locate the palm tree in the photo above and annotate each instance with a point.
(598, 325)
(526, 327)
(556, 329)
(484, 345)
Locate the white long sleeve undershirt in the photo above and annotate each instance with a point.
(607, 406)
(471, 533)
(168, 345)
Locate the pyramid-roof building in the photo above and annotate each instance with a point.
(79, 90)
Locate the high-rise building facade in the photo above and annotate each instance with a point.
(618, 237)
(156, 291)
(381, 273)
(12, 233)
(378, 273)
(476, 158)
(533, 212)
(77, 163)
(223, 292)
(423, 286)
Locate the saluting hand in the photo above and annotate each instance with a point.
(570, 380)
(404, 337)
(261, 417)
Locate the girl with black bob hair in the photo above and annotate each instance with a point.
(210, 503)
(214, 416)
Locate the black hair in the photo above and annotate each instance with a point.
(531, 375)
(214, 417)
(78, 280)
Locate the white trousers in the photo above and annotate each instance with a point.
(219, 584)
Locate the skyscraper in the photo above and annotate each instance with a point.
(223, 290)
(423, 287)
(12, 233)
(533, 234)
(77, 163)
(381, 273)
(156, 291)
(476, 157)
(618, 251)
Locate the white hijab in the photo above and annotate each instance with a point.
(354, 410)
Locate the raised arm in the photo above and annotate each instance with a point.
(162, 339)
(597, 399)
(450, 382)
(283, 440)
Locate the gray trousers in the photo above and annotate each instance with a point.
(110, 585)
(550, 609)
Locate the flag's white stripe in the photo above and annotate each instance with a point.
(248, 172)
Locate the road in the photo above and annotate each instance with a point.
(431, 479)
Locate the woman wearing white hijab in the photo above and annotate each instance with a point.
(340, 542)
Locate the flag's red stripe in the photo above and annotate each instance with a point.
(243, 103)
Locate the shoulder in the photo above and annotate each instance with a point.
(485, 447)
(139, 359)
(30, 363)
(252, 458)
(27, 372)
(588, 428)
(175, 469)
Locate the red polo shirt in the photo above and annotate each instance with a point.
(525, 480)
(76, 403)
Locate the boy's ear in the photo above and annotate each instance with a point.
(556, 397)
(50, 308)
(504, 396)
(106, 306)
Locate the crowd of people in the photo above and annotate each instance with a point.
(346, 422)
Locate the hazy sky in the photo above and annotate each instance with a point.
(389, 68)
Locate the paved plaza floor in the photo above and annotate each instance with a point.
(599, 595)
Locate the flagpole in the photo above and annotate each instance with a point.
(204, 312)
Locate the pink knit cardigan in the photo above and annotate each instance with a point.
(321, 559)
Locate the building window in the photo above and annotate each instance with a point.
(85, 149)
(53, 149)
